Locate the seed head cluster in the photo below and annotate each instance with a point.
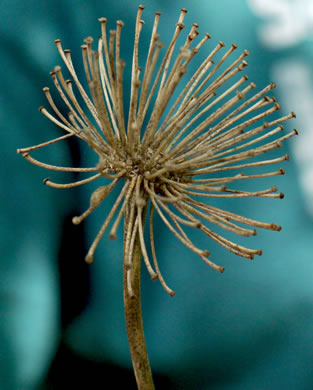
(176, 147)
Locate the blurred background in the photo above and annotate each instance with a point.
(61, 321)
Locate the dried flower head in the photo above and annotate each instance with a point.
(169, 155)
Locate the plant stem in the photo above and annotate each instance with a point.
(133, 316)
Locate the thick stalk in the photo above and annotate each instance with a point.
(133, 316)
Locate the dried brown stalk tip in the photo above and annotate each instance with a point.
(170, 149)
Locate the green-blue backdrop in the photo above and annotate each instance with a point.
(250, 328)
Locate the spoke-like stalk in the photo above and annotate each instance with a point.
(133, 314)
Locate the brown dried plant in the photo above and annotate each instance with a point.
(169, 151)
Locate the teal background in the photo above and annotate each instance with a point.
(250, 328)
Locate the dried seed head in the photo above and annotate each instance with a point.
(170, 152)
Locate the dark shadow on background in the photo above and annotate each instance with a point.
(70, 371)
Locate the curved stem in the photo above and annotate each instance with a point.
(133, 314)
